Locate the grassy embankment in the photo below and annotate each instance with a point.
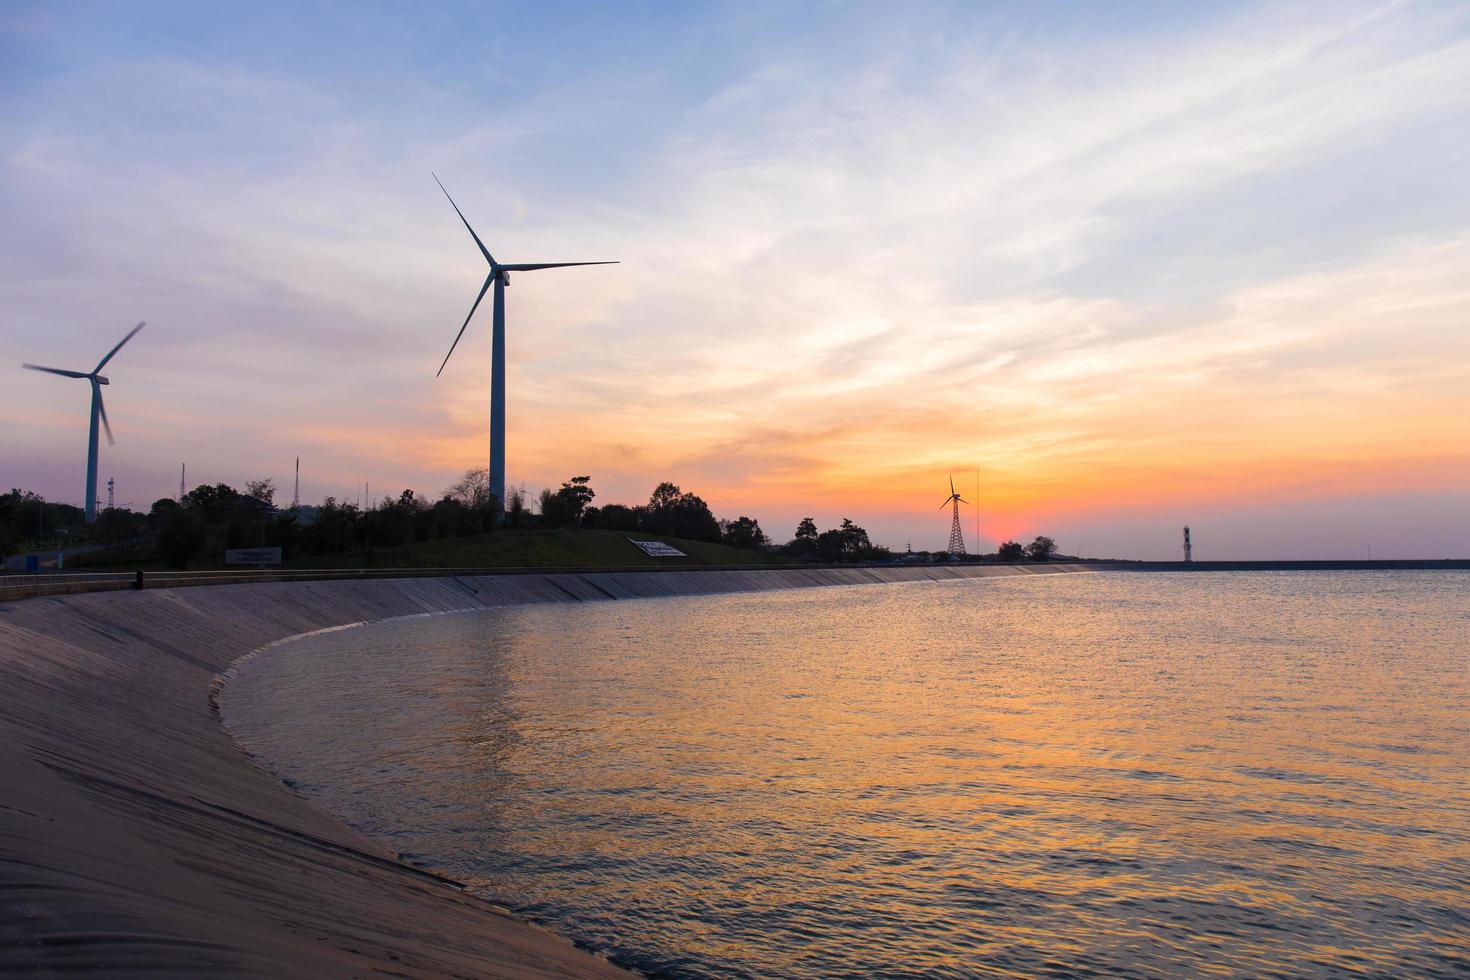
(501, 549)
(536, 549)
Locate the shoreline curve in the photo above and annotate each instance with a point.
(137, 837)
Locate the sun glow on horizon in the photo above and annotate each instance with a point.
(1132, 272)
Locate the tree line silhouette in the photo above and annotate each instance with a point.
(214, 517)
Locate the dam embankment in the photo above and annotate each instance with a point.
(137, 839)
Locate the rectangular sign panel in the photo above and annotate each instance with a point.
(253, 556)
(657, 549)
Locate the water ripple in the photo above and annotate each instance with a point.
(1070, 776)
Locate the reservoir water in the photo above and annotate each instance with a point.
(1072, 775)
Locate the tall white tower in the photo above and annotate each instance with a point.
(182, 491)
(296, 497)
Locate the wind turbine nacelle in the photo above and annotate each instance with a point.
(102, 381)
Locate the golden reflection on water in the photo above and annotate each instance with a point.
(1158, 774)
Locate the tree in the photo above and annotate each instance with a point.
(619, 517)
(744, 532)
(288, 532)
(1011, 551)
(857, 538)
(449, 516)
(806, 531)
(664, 495)
(472, 507)
(516, 513)
(552, 508)
(8, 534)
(1041, 549)
(262, 492)
(577, 493)
(394, 521)
(683, 515)
(472, 489)
(212, 504)
(31, 517)
(846, 543)
(181, 533)
(566, 505)
(118, 529)
(831, 546)
(334, 530)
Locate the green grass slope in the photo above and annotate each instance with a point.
(537, 549)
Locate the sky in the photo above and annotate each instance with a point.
(1117, 268)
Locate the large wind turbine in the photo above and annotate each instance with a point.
(98, 411)
(956, 536)
(498, 276)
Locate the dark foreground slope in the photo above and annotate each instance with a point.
(137, 839)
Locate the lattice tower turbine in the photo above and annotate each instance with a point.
(956, 535)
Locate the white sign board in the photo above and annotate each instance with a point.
(657, 549)
(253, 556)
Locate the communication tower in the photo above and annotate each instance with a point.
(111, 486)
(296, 497)
(1188, 551)
(182, 491)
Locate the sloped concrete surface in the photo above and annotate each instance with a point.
(137, 839)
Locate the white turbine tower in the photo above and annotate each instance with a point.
(98, 411)
(498, 276)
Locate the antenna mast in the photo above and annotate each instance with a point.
(977, 510)
(296, 497)
(1188, 549)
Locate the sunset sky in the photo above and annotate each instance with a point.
(1142, 265)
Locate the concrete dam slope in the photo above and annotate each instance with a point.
(136, 838)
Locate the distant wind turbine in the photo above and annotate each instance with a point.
(956, 536)
(98, 411)
(498, 276)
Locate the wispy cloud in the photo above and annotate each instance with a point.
(1109, 266)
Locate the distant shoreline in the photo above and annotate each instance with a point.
(1387, 565)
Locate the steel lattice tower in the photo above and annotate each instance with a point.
(956, 536)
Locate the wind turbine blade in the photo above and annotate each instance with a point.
(951, 486)
(102, 408)
(131, 333)
(64, 374)
(488, 280)
(946, 503)
(483, 250)
(533, 266)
